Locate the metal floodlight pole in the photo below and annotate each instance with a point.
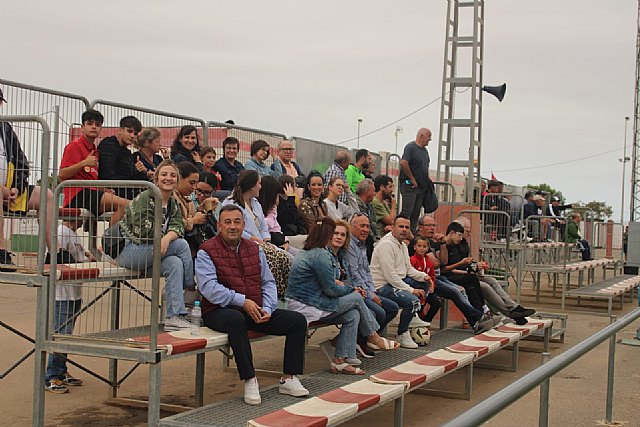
(397, 132)
(359, 123)
(624, 161)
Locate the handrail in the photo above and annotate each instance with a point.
(488, 408)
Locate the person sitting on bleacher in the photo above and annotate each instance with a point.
(335, 208)
(444, 287)
(16, 195)
(192, 219)
(492, 291)
(186, 147)
(259, 154)
(117, 160)
(340, 164)
(176, 263)
(245, 196)
(291, 221)
(364, 196)
(147, 159)
(80, 160)
(384, 205)
(312, 207)
(573, 236)
(354, 172)
(316, 290)
(227, 166)
(239, 295)
(284, 164)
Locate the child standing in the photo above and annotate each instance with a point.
(421, 262)
(68, 303)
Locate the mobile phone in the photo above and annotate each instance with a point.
(408, 182)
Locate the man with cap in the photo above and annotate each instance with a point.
(260, 153)
(16, 194)
(555, 209)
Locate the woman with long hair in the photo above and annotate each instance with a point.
(137, 228)
(312, 208)
(245, 195)
(290, 219)
(147, 159)
(315, 290)
(186, 147)
(335, 208)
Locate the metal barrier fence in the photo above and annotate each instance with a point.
(61, 110)
(488, 408)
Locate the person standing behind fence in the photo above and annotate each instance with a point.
(414, 176)
(259, 155)
(176, 264)
(80, 160)
(67, 307)
(227, 166)
(15, 191)
(355, 172)
(146, 159)
(116, 159)
(186, 147)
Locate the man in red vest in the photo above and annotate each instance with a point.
(240, 295)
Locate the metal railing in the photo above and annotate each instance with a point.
(540, 376)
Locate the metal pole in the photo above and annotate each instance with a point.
(359, 123)
(624, 161)
(610, 373)
(543, 418)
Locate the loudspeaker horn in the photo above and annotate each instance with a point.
(497, 91)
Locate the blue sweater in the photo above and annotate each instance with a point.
(312, 280)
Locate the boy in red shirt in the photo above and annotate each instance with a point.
(80, 161)
(421, 262)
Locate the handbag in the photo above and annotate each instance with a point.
(113, 241)
(430, 201)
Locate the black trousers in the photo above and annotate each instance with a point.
(236, 323)
(471, 285)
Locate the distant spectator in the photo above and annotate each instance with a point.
(354, 172)
(117, 160)
(206, 203)
(335, 208)
(384, 204)
(414, 176)
(371, 170)
(259, 154)
(192, 219)
(269, 198)
(556, 210)
(80, 161)
(245, 196)
(290, 219)
(186, 147)
(337, 168)
(147, 156)
(573, 236)
(284, 165)
(496, 225)
(312, 206)
(227, 166)
(208, 156)
(365, 194)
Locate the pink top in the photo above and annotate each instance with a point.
(271, 219)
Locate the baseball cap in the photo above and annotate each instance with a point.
(2, 96)
(538, 197)
(555, 199)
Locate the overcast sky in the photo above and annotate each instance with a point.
(311, 69)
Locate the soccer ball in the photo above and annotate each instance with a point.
(421, 335)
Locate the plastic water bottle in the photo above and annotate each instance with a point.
(196, 317)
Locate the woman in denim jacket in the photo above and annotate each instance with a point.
(316, 292)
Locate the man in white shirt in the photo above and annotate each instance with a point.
(395, 278)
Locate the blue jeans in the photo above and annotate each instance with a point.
(355, 318)
(176, 266)
(408, 302)
(385, 312)
(449, 290)
(63, 322)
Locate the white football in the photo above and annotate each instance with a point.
(421, 335)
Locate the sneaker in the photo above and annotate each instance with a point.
(485, 324)
(252, 392)
(6, 264)
(292, 387)
(365, 351)
(520, 311)
(56, 386)
(520, 321)
(68, 380)
(176, 323)
(353, 361)
(416, 322)
(406, 341)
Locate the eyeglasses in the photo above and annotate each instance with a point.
(287, 149)
(428, 225)
(203, 192)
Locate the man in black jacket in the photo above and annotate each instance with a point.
(116, 158)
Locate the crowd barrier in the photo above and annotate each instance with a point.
(245, 135)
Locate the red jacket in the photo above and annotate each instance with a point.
(424, 264)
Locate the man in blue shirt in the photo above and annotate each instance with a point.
(384, 309)
(414, 176)
(240, 295)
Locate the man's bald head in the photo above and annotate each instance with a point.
(423, 137)
(343, 158)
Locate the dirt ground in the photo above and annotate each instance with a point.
(577, 393)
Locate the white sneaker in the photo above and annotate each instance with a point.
(290, 386)
(353, 361)
(406, 341)
(417, 322)
(176, 323)
(252, 392)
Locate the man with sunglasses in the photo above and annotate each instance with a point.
(284, 164)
